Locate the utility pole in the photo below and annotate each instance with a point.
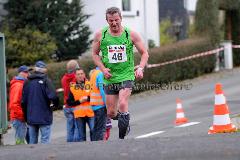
(145, 24)
(3, 91)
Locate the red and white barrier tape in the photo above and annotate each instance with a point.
(180, 59)
(59, 90)
(235, 46)
(186, 58)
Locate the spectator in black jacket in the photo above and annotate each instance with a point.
(38, 97)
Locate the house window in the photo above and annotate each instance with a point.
(126, 5)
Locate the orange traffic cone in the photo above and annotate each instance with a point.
(180, 117)
(221, 120)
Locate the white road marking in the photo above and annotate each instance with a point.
(187, 124)
(150, 134)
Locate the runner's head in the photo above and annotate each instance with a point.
(114, 18)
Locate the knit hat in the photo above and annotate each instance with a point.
(23, 69)
(40, 64)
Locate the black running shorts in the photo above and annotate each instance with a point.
(114, 88)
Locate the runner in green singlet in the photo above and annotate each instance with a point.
(117, 64)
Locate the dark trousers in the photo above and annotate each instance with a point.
(81, 126)
(27, 138)
(99, 124)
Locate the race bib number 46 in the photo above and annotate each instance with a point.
(117, 53)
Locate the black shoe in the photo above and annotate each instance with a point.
(116, 117)
(128, 130)
(122, 136)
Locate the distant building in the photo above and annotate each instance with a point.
(2, 11)
(190, 6)
(191, 16)
(175, 11)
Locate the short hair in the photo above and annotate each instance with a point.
(72, 65)
(79, 69)
(113, 10)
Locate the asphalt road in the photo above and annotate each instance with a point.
(153, 112)
(217, 147)
(153, 133)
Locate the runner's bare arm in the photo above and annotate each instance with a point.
(137, 41)
(96, 49)
(96, 57)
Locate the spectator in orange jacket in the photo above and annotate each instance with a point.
(15, 108)
(79, 98)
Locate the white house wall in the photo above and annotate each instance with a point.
(97, 20)
(97, 12)
(132, 20)
(153, 21)
(190, 5)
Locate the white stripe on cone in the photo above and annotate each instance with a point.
(221, 119)
(180, 115)
(179, 105)
(220, 99)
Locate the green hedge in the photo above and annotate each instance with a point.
(206, 20)
(165, 74)
(181, 70)
(229, 4)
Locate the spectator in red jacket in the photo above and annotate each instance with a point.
(15, 108)
(72, 132)
(69, 77)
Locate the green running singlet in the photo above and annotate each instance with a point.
(117, 55)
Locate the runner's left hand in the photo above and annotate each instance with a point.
(139, 73)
